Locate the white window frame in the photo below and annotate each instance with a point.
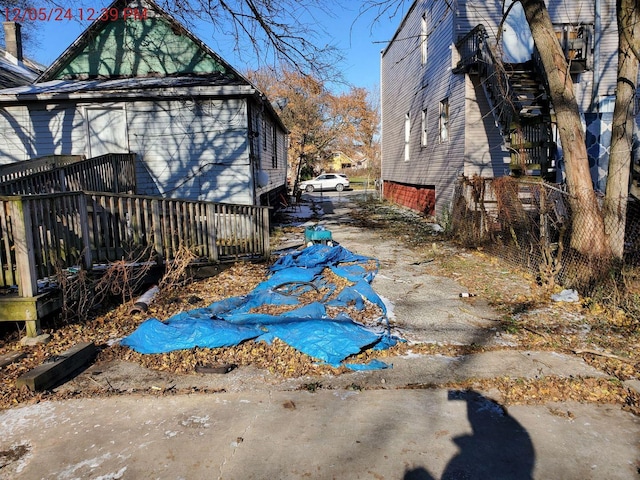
(444, 120)
(424, 139)
(407, 137)
(423, 39)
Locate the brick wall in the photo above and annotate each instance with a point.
(416, 197)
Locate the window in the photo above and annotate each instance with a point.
(264, 134)
(274, 156)
(423, 136)
(444, 120)
(407, 136)
(423, 40)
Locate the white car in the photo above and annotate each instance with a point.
(326, 181)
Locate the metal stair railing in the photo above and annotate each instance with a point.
(521, 136)
(478, 57)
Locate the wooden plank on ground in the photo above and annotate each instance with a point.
(60, 367)
(11, 357)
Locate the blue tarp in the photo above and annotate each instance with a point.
(307, 328)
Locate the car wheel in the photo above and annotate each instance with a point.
(339, 187)
(309, 188)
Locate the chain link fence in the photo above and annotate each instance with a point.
(531, 225)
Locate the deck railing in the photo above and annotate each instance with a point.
(15, 170)
(42, 234)
(113, 172)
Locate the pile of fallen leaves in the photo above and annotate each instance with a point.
(105, 330)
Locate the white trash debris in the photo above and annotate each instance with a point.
(565, 296)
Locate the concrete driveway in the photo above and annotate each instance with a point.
(385, 424)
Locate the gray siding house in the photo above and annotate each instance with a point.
(449, 110)
(144, 84)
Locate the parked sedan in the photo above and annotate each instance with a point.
(326, 181)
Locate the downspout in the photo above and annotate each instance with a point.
(597, 37)
(381, 127)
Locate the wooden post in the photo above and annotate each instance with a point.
(62, 180)
(265, 232)
(211, 232)
(84, 231)
(50, 374)
(25, 258)
(115, 166)
(157, 228)
(23, 243)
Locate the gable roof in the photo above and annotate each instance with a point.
(144, 41)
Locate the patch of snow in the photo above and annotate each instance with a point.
(389, 305)
(112, 476)
(95, 462)
(343, 395)
(22, 418)
(411, 354)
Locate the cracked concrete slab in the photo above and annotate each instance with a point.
(327, 434)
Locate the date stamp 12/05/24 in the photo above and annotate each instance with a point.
(59, 14)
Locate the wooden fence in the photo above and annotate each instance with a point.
(113, 172)
(42, 234)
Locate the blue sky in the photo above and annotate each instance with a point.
(360, 40)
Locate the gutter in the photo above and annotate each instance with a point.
(138, 93)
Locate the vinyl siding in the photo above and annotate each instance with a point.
(410, 87)
(475, 144)
(474, 12)
(15, 135)
(37, 130)
(192, 149)
(269, 149)
(485, 154)
(186, 148)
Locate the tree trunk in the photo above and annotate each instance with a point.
(615, 204)
(587, 235)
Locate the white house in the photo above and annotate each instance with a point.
(142, 83)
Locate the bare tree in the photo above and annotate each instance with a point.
(273, 32)
(615, 204)
(319, 121)
(586, 213)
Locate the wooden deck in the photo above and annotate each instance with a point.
(44, 233)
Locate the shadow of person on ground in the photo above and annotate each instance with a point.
(498, 448)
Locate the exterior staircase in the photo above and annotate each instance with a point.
(519, 102)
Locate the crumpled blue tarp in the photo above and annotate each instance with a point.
(309, 328)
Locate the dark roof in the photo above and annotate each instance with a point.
(127, 86)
